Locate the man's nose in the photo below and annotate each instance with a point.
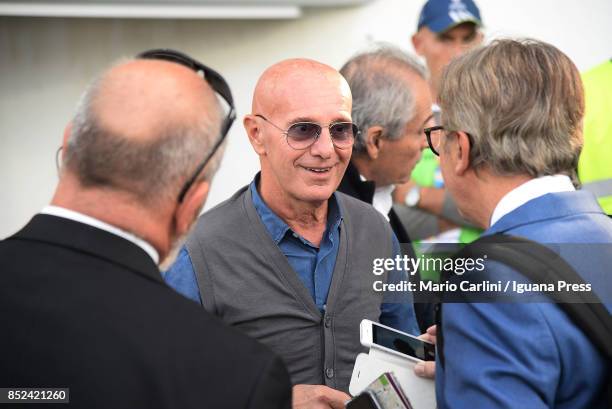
(462, 46)
(458, 48)
(323, 146)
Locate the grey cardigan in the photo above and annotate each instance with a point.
(245, 280)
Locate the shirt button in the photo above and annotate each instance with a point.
(328, 321)
(329, 372)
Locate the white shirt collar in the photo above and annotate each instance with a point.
(91, 221)
(383, 198)
(530, 190)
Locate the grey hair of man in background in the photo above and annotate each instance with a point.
(380, 96)
(150, 169)
(522, 103)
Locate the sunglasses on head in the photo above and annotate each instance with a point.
(301, 135)
(216, 82)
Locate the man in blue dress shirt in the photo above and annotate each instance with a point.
(286, 259)
(512, 133)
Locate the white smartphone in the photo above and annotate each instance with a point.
(375, 335)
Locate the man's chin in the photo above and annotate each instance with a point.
(317, 193)
(313, 199)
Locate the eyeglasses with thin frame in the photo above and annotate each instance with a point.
(434, 138)
(217, 83)
(302, 135)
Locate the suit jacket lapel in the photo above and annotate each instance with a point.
(352, 185)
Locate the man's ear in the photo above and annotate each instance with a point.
(189, 209)
(462, 153)
(59, 159)
(417, 43)
(253, 129)
(374, 141)
(479, 37)
(67, 132)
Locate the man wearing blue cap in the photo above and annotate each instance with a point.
(446, 29)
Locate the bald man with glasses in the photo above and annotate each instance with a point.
(287, 259)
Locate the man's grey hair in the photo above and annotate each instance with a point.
(522, 102)
(381, 90)
(153, 170)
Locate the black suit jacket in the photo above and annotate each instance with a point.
(352, 185)
(85, 309)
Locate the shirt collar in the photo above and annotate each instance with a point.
(91, 221)
(276, 227)
(530, 190)
(383, 198)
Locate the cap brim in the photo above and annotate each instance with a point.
(446, 23)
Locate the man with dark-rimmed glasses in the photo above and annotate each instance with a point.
(83, 304)
(508, 153)
(434, 135)
(286, 259)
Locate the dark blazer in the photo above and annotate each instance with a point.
(352, 185)
(85, 309)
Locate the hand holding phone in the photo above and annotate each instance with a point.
(365, 400)
(375, 335)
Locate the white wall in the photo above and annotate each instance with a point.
(45, 64)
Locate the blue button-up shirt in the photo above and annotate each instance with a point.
(314, 266)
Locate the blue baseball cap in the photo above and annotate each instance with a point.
(442, 15)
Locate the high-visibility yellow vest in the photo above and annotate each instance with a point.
(595, 164)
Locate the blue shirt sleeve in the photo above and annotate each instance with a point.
(181, 277)
(399, 315)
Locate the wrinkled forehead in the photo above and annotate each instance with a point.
(307, 92)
